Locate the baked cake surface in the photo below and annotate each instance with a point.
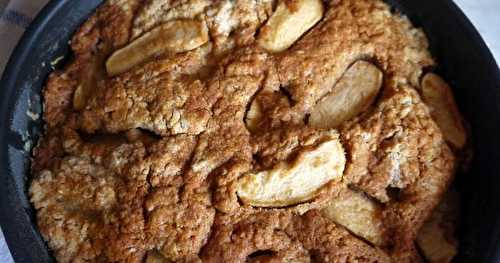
(244, 130)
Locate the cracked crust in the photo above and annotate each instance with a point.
(146, 166)
(399, 157)
(284, 237)
(84, 201)
(394, 145)
(112, 201)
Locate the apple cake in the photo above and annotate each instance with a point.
(248, 131)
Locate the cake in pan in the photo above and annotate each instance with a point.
(248, 131)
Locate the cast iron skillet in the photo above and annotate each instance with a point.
(463, 57)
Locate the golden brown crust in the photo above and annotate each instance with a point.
(107, 29)
(399, 157)
(153, 97)
(283, 236)
(85, 201)
(393, 145)
(328, 242)
(131, 197)
(178, 222)
(147, 162)
(236, 241)
(349, 31)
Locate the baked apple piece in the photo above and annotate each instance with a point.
(352, 95)
(288, 23)
(292, 183)
(254, 116)
(174, 36)
(437, 94)
(435, 239)
(94, 72)
(359, 214)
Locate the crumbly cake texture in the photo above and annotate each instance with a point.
(150, 164)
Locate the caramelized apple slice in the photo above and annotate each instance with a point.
(437, 94)
(436, 239)
(90, 78)
(80, 96)
(174, 36)
(359, 214)
(292, 183)
(288, 23)
(352, 95)
(154, 256)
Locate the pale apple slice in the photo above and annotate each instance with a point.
(292, 183)
(435, 238)
(353, 94)
(174, 36)
(359, 214)
(437, 94)
(288, 23)
(254, 116)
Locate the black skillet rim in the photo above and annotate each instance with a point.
(26, 246)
